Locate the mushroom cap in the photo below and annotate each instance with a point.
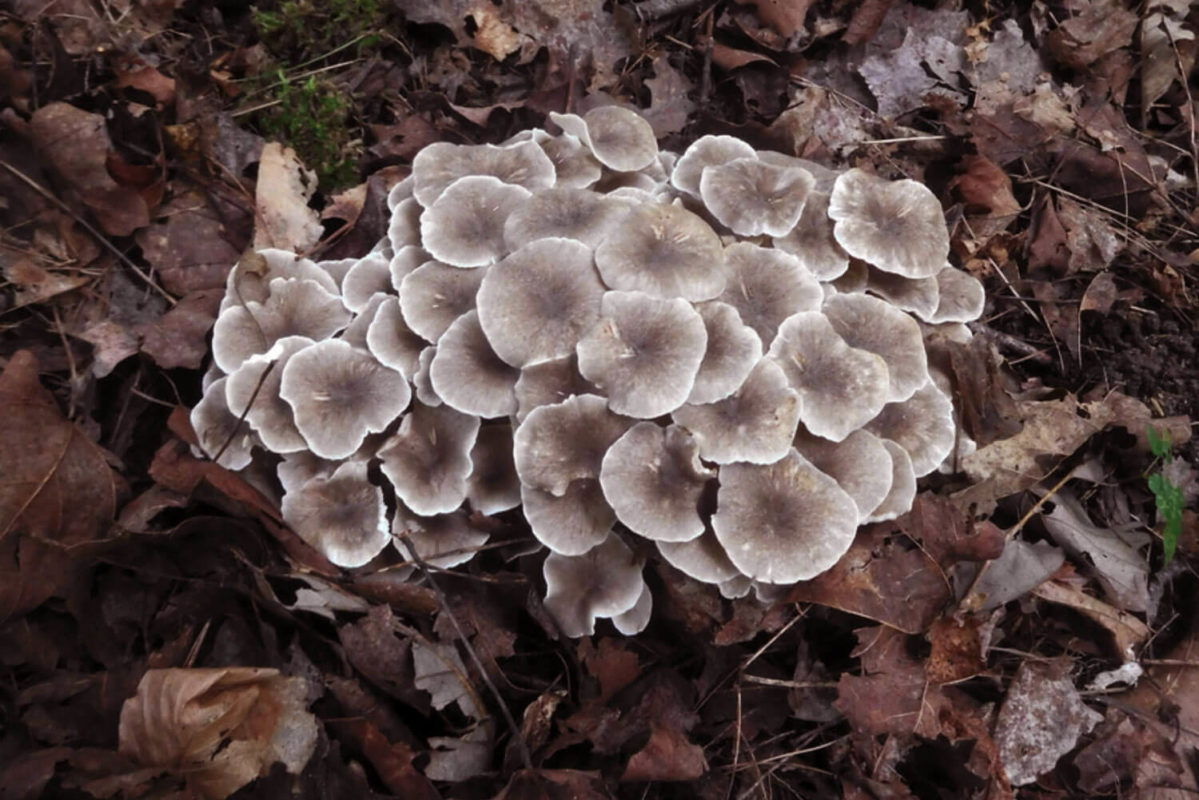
(338, 268)
(405, 261)
(840, 387)
(252, 387)
(751, 197)
(338, 394)
(923, 425)
(296, 469)
(635, 620)
(465, 226)
(215, 425)
(369, 275)
(961, 297)
(343, 516)
(422, 384)
(295, 307)
(644, 352)
(402, 190)
(874, 325)
(756, 423)
(433, 295)
(536, 303)
(403, 228)
(766, 286)
(549, 382)
(652, 477)
(783, 522)
(665, 251)
(604, 582)
(356, 332)
(390, 340)
(467, 374)
(903, 485)
(574, 164)
(619, 138)
(566, 213)
(733, 349)
(250, 279)
(897, 226)
(442, 541)
(571, 524)
(493, 485)
(702, 558)
(859, 463)
(824, 176)
(706, 151)
(565, 442)
(812, 240)
(440, 164)
(853, 280)
(916, 295)
(428, 459)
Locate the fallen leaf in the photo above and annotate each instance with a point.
(283, 218)
(667, 756)
(177, 338)
(670, 106)
(1127, 631)
(1100, 295)
(1040, 720)
(1021, 568)
(32, 284)
(986, 192)
(218, 728)
(554, 784)
(75, 142)
(1127, 751)
(1096, 28)
(786, 17)
(956, 649)
(190, 249)
(463, 757)
(58, 490)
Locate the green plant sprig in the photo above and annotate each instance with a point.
(1169, 497)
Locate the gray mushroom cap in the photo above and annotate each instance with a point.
(465, 226)
(783, 522)
(644, 353)
(755, 424)
(766, 286)
(428, 459)
(493, 485)
(422, 384)
(733, 350)
(620, 139)
(920, 296)
(961, 297)
(342, 516)
(665, 251)
(604, 582)
(859, 463)
(440, 164)
(401, 191)
(702, 558)
(295, 307)
(840, 387)
(635, 620)
(369, 275)
(923, 425)
(403, 228)
(549, 382)
(536, 303)
(405, 261)
(903, 485)
(574, 164)
(220, 431)
(338, 394)
(356, 332)
(566, 213)
(874, 325)
(254, 392)
(706, 151)
(897, 226)
(652, 477)
(571, 524)
(434, 295)
(390, 340)
(442, 541)
(467, 374)
(751, 197)
(250, 279)
(812, 240)
(565, 442)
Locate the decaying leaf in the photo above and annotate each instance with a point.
(283, 217)
(1127, 631)
(1040, 720)
(218, 729)
(57, 491)
(1022, 567)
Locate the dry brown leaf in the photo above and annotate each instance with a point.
(670, 106)
(1096, 28)
(667, 756)
(75, 142)
(1100, 295)
(785, 16)
(218, 729)
(177, 338)
(986, 192)
(1128, 751)
(1127, 631)
(554, 784)
(191, 248)
(57, 490)
(1041, 719)
(283, 217)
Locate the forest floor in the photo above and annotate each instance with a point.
(162, 635)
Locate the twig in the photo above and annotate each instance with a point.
(525, 756)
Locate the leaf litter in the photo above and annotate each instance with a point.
(152, 600)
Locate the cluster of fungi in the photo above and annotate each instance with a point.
(722, 352)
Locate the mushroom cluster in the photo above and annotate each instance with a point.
(722, 352)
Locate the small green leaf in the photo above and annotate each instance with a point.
(1158, 445)
(1170, 503)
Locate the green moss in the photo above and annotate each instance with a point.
(314, 119)
(307, 29)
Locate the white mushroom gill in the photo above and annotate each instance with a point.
(717, 353)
